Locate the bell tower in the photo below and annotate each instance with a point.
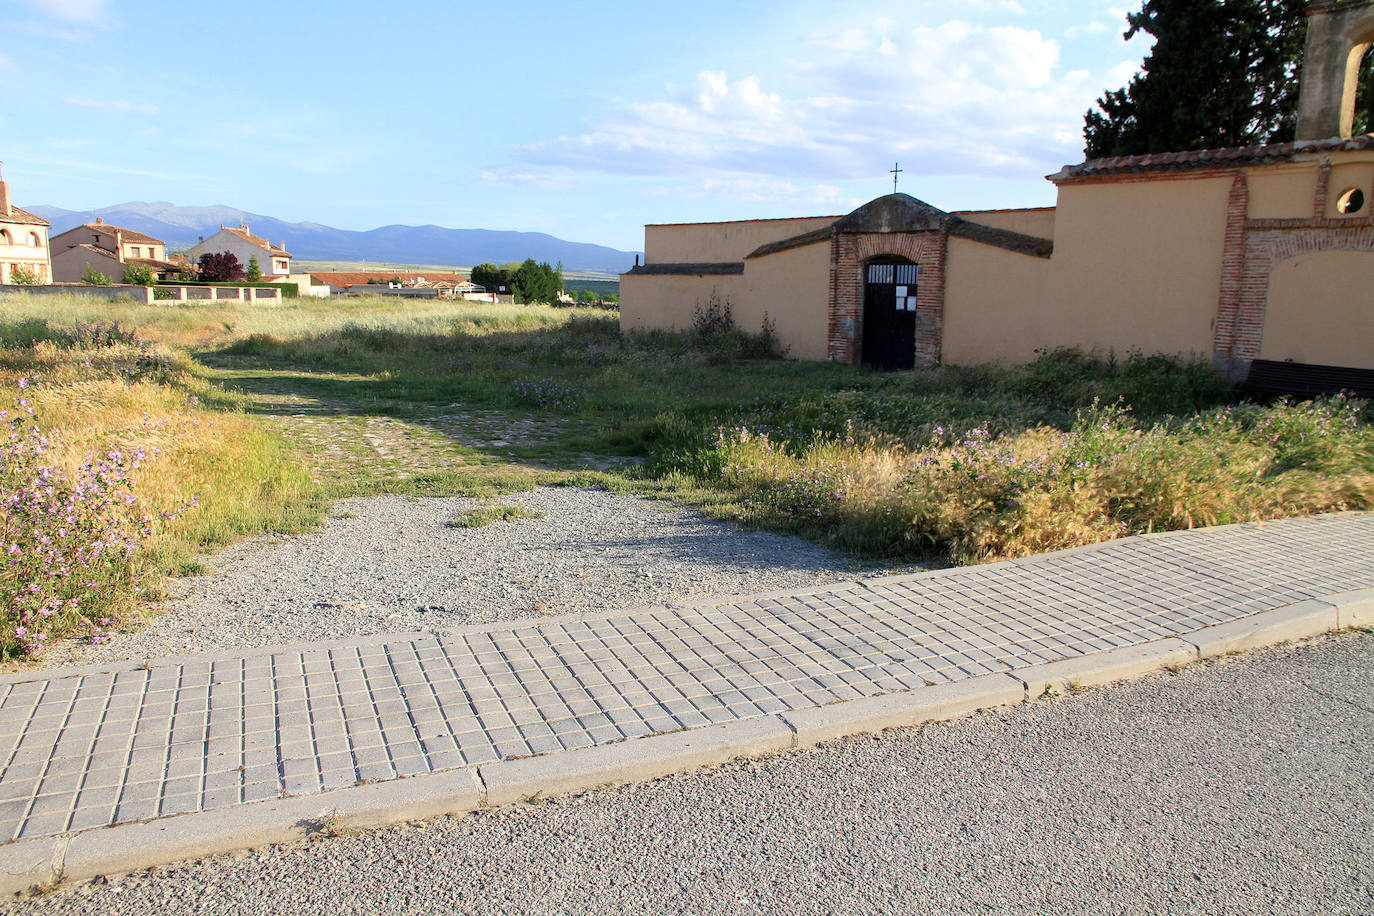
(1338, 33)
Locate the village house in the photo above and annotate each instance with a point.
(432, 285)
(23, 241)
(1244, 256)
(273, 260)
(104, 249)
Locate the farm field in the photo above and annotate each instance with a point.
(158, 432)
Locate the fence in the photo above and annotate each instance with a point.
(149, 294)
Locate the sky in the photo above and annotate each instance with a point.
(582, 120)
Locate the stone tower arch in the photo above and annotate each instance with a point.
(1338, 34)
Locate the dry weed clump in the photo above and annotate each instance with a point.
(973, 496)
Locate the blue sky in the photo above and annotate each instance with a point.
(585, 121)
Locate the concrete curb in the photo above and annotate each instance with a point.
(533, 778)
(1104, 667)
(1267, 628)
(128, 847)
(897, 710)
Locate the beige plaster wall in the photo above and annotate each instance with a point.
(692, 243)
(1036, 221)
(69, 265)
(19, 251)
(657, 301)
(1321, 310)
(306, 286)
(995, 309)
(1282, 192)
(153, 252)
(1137, 265)
(793, 288)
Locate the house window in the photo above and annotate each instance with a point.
(33, 240)
(5, 237)
(134, 251)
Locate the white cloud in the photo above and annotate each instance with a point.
(954, 99)
(6, 63)
(528, 179)
(120, 105)
(91, 12)
(1088, 28)
(758, 188)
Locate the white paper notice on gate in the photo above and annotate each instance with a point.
(901, 292)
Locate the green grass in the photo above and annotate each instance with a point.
(481, 516)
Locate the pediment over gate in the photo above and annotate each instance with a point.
(894, 213)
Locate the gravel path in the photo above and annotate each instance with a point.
(1236, 786)
(393, 564)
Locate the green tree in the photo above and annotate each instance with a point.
(1364, 95)
(22, 276)
(254, 268)
(92, 277)
(139, 275)
(1221, 73)
(533, 282)
(491, 277)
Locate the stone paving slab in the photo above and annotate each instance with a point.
(105, 745)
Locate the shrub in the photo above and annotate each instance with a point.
(713, 320)
(92, 277)
(219, 266)
(715, 331)
(23, 276)
(254, 268)
(66, 539)
(139, 275)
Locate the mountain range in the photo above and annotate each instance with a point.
(181, 227)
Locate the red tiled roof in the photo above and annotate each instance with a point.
(127, 235)
(1229, 157)
(258, 240)
(155, 264)
(94, 249)
(23, 217)
(360, 277)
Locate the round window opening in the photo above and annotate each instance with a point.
(1350, 201)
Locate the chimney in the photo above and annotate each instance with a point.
(5, 209)
(119, 246)
(99, 221)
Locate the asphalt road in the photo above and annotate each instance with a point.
(1237, 786)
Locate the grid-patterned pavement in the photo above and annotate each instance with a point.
(81, 749)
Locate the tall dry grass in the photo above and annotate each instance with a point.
(974, 496)
(121, 451)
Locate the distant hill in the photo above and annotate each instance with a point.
(181, 227)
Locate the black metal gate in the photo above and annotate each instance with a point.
(890, 316)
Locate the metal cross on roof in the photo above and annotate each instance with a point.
(895, 172)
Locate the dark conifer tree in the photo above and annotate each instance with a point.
(1221, 73)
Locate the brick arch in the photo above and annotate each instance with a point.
(1264, 250)
(849, 253)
